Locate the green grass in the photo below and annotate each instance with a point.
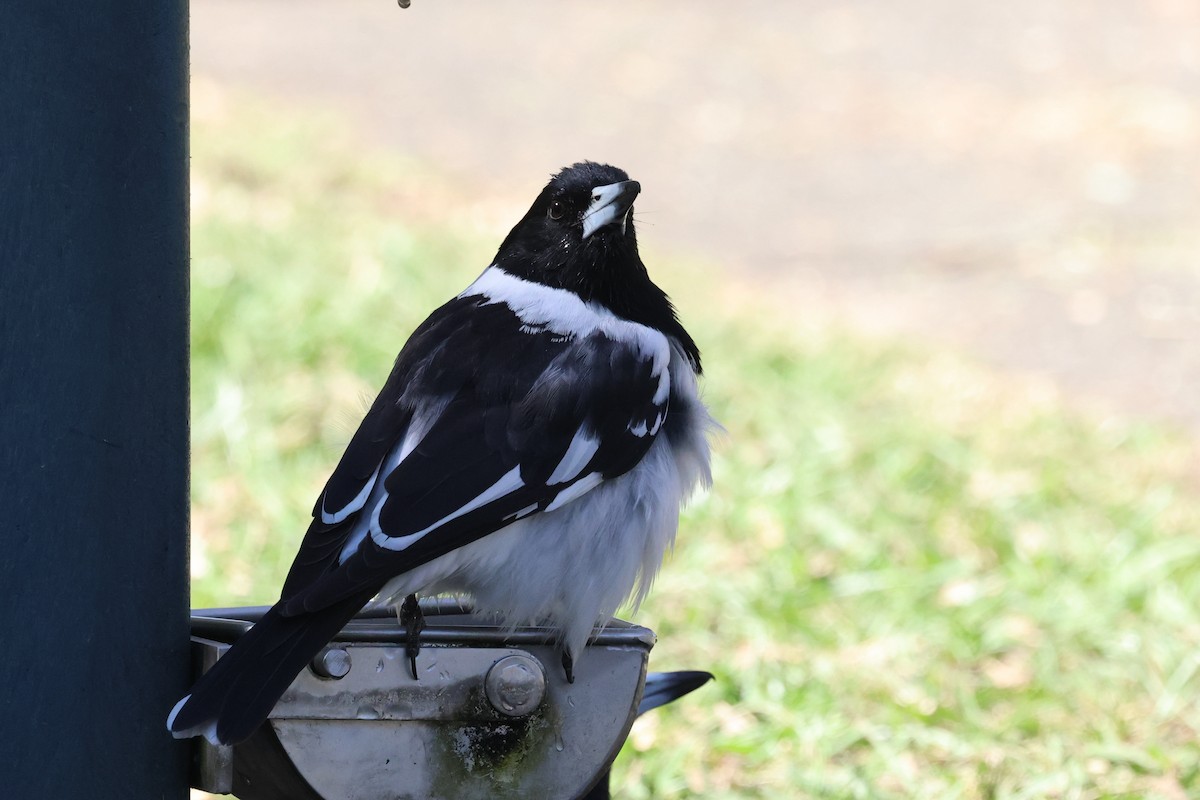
(913, 578)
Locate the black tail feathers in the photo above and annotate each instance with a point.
(234, 697)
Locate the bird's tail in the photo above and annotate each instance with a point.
(665, 687)
(239, 691)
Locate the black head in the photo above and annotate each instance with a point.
(579, 235)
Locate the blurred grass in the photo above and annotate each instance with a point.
(913, 579)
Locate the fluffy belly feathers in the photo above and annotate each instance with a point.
(573, 567)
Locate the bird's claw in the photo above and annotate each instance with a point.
(568, 664)
(414, 623)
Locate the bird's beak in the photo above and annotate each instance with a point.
(609, 204)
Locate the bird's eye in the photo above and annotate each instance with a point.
(556, 210)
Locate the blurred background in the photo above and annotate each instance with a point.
(942, 259)
(1022, 179)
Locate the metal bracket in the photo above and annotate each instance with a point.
(492, 715)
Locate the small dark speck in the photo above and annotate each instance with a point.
(94, 438)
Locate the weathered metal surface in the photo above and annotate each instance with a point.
(212, 766)
(491, 716)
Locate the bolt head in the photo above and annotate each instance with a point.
(516, 685)
(332, 662)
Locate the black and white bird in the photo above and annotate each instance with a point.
(531, 449)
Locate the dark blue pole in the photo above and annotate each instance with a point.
(93, 397)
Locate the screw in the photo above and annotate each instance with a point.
(332, 662)
(515, 685)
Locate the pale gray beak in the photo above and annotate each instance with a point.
(609, 204)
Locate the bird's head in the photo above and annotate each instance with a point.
(578, 234)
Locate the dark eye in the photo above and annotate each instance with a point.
(556, 210)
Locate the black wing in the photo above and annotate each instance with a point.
(523, 421)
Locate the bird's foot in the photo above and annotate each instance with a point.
(414, 622)
(568, 666)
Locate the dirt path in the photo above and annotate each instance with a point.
(1020, 180)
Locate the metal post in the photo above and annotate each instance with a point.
(93, 397)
